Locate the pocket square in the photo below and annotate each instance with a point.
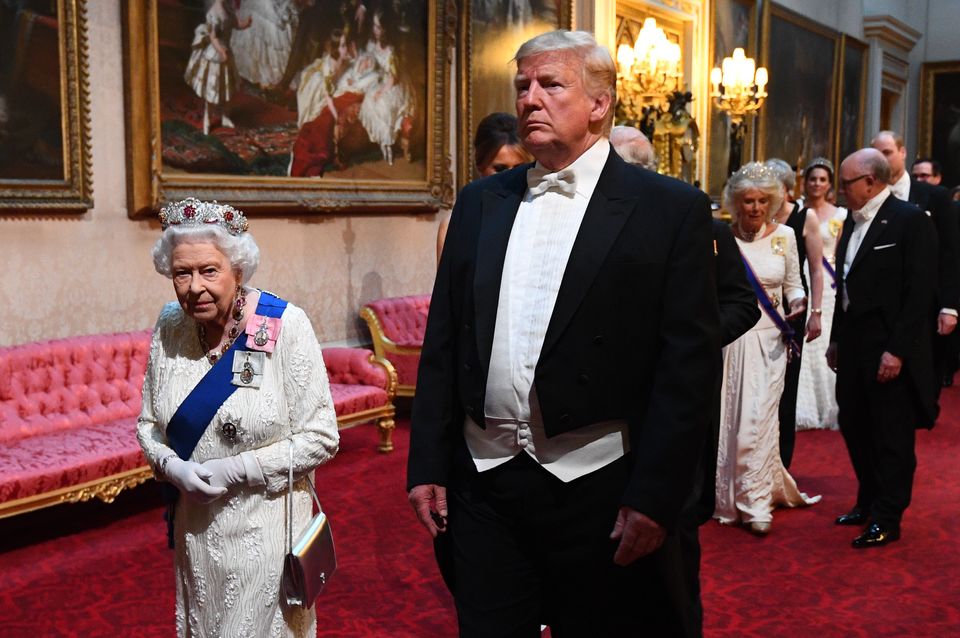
(884, 246)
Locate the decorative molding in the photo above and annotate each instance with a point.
(896, 71)
(106, 489)
(891, 32)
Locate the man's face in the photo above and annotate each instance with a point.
(554, 111)
(896, 157)
(857, 186)
(923, 171)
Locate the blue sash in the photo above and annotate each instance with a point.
(830, 271)
(197, 410)
(786, 330)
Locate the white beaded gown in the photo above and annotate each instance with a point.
(751, 479)
(229, 553)
(817, 393)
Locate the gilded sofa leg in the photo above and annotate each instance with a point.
(385, 425)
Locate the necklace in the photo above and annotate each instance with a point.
(749, 237)
(237, 314)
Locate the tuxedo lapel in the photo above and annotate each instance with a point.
(498, 212)
(877, 226)
(607, 212)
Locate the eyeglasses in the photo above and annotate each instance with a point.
(844, 183)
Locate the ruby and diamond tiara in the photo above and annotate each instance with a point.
(193, 212)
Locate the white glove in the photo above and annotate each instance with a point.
(226, 472)
(192, 479)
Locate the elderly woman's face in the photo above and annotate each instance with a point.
(204, 281)
(753, 206)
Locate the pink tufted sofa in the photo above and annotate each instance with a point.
(68, 410)
(397, 326)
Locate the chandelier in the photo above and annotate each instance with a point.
(739, 87)
(649, 71)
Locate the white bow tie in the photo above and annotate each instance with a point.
(859, 216)
(539, 180)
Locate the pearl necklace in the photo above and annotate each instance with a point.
(750, 237)
(238, 305)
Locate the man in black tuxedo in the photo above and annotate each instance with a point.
(880, 343)
(935, 200)
(738, 313)
(560, 412)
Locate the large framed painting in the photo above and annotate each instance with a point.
(853, 90)
(289, 106)
(797, 119)
(734, 25)
(940, 117)
(44, 107)
(490, 34)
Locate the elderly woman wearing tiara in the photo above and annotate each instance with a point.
(751, 478)
(235, 381)
(817, 396)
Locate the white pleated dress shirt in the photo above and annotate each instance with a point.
(540, 242)
(863, 218)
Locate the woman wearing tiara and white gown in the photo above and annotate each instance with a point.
(817, 397)
(751, 478)
(389, 103)
(235, 382)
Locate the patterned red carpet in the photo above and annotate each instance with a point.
(96, 570)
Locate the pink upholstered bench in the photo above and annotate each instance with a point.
(68, 413)
(363, 386)
(68, 410)
(397, 326)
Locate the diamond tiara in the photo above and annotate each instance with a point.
(193, 212)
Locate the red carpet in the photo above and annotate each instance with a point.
(98, 570)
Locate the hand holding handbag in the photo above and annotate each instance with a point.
(312, 560)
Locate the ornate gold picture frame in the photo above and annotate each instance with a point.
(940, 117)
(353, 118)
(797, 121)
(486, 47)
(45, 109)
(852, 80)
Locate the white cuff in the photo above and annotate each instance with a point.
(252, 468)
(797, 294)
(948, 311)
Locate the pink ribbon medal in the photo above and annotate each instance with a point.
(263, 332)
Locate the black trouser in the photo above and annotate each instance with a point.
(945, 353)
(529, 549)
(877, 422)
(788, 400)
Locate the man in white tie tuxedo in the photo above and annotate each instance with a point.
(880, 343)
(935, 200)
(563, 394)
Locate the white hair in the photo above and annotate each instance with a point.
(753, 176)
(241, 250)
(633, 146)
(599, 70)
(783, 171)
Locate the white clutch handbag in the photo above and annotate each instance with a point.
(312, 559)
